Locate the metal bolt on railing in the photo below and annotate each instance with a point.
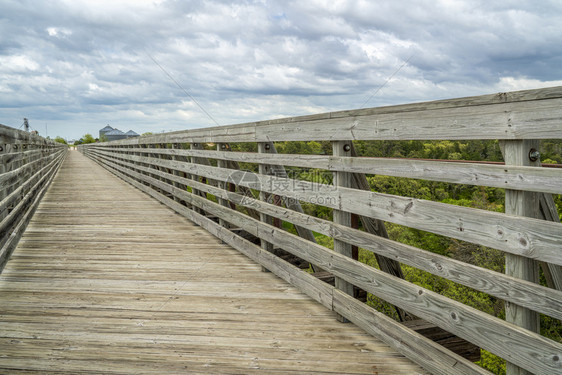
(534, 155)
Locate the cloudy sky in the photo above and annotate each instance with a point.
(73, 66)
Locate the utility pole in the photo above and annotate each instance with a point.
(26, 124)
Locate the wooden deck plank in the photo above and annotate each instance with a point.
(106, 279)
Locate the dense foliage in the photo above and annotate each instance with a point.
(471, 196)
(86, 138)
(60, 140)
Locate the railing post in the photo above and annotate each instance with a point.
(521, 203)
(223, 185)
(144, 154)
(3, 169)
(176, 146)
(195, 160)
(342, 179)
(264, 169)
(161, 146)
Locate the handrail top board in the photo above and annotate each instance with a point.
(528, 114)
(12, 135)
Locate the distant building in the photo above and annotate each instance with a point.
(105, 130)
(131, 134)
(114, 134)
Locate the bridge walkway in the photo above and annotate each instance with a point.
(108, 280)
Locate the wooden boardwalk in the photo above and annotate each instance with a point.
(107, 280)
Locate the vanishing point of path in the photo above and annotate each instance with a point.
(107, 280)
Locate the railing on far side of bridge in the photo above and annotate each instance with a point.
(207, 186)
(29, 163)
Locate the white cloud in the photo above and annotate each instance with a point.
(79, 65)
(524, 83)
(58, 32)
(18, 64)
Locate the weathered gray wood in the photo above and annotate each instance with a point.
(222, 184)
(17, 220)
(11, 135)
(9, 159)
(376, 227)
(523, 204)
(165, 157)
(342, 179)
(197, 146)
(528, 237)
(501, 121)
(292, 204)
(13, 178)
(200, 307)
(524, 348)
(279, 171)
(502, 176)
(520, 292)
(532, 114)
(25, 185)
(142, 147)
(416, 347)
(3, 169)
(264, 148)
(12, 238)
(528, 294)
(431, 356)
(549, 212)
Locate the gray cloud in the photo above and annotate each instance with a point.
(76, 66)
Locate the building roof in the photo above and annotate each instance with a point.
(115, 132)
(132, 133)
(106, 129)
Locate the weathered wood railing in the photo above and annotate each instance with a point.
(29, 163)
(199, 184)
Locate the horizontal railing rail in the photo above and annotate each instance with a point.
(29, 163)
(204, 184)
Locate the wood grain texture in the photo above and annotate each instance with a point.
(432, 357)
(532, 238)
(526, 349)
(532, 114)
(510, 117)
(527, 204)
(14, 197)
(526, 178)
(65, 309)
(265, 169)
(377, 227)
(16, 136)
(549, 212)
(11, 239)
(530, 295)
(28, 165)
(342, 179)
(279, 170)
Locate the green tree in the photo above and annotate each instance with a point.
(88, 138)
(60, 140)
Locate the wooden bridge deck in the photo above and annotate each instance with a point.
(107, 280)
